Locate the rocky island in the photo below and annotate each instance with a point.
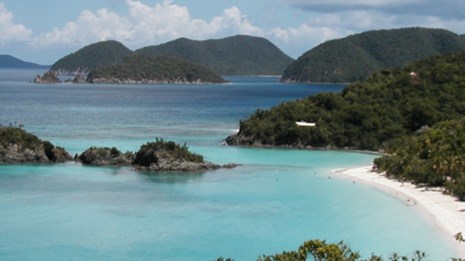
(18, 146)
(153, 156)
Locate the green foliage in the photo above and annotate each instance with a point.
(141, 68)
(319, 250)
(355, 57)
(237, 55)
(147, 152)
(365, 115)
(92, 57)
(14, 135)
(435, 157)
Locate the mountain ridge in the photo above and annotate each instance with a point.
(355, 57)
(235, 55)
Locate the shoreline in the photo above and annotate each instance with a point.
(446, 212)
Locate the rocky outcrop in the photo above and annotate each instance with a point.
(18, 146)
(154, 156)
(105, 157)
(47, 78)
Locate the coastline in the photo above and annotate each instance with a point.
(447, 213)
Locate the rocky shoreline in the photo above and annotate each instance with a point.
(18, 146)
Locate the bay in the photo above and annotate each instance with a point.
(274, 201)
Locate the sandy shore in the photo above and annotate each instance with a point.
(446, 211)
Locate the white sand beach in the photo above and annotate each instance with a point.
(446, 211)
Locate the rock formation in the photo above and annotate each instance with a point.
(18, 146)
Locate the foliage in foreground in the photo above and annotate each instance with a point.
(319, 250)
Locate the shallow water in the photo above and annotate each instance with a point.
(273, 202)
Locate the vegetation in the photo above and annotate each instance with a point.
(319, 250)
(149, 153)
(14, 135)
(434, 157)
(92, 57)
(17, 145)
(237, 55)
(416, 114)
(365, 115)
(142, 69)
(355, 57)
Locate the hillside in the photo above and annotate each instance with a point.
(416, 114)
(142, 69)
(355, 57)
(8, 61)
(92, 57)
(365, 115)
(237, 55)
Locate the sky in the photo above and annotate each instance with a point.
(43, 31)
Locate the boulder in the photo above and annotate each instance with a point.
(105, 157)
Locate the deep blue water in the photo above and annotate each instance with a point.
(273, 202)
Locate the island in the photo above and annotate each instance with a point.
(161, 155)
(19, 146)
(139, 69)
(415, 114)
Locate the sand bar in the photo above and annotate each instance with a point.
(446, 211)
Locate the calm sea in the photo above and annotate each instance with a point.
(273, 202)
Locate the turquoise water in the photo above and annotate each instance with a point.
(273, 202)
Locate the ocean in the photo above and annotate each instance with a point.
(274, 201)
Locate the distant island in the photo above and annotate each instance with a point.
(237, 55)
(141, 69)
(356, 57)
(10, 62)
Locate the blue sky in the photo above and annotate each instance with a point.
(43, 31)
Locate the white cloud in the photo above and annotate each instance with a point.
(146, 25)
(11, 32)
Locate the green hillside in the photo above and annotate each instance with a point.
(416, 114)
(142, 69)
(355, 57)
(93, 56)
(365, 115)
(237, 55)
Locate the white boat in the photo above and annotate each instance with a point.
(305, 124)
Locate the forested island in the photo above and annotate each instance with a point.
(142, 69)
(357, 56)
(414, 113)
(236, 55)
